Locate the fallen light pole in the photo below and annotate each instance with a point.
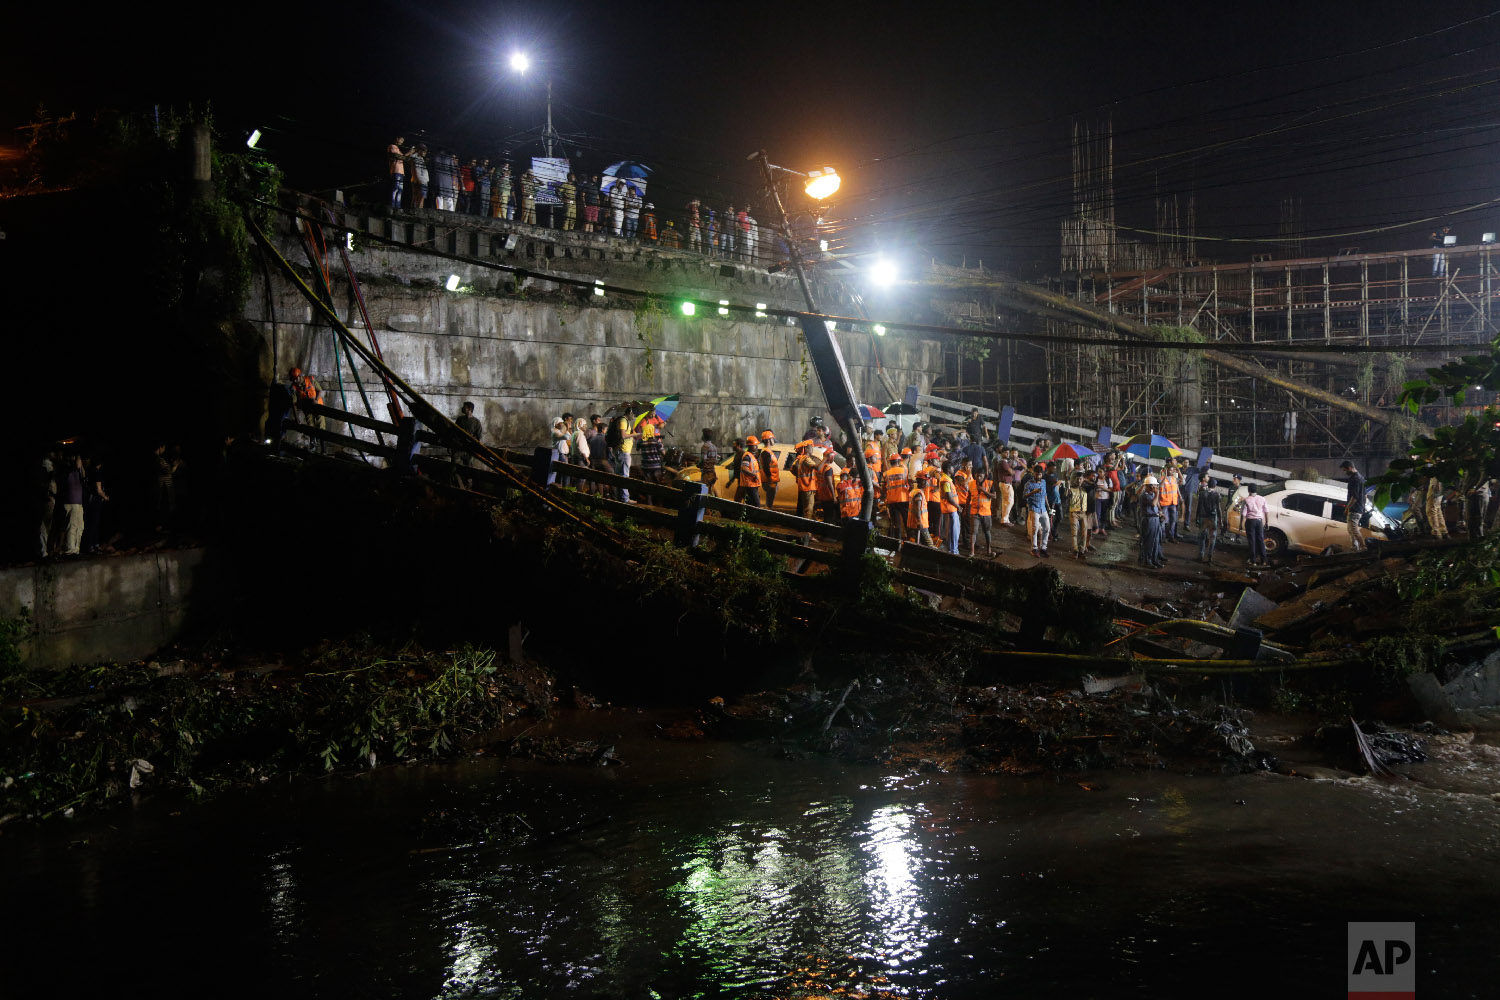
(828, 360)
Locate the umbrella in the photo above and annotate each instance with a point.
(1150, 446)
(900, 409)
(627, 168)
(868, 412)
(1067, 449)
(659, 408)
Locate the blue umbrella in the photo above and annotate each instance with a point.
(627, 168)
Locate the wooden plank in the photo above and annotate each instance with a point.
(333, 437)
(672, 493)
(630, 511)
(357, 419)
(765, 515)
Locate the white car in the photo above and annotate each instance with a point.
(1308, 517)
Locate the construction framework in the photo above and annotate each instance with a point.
(1419, 305)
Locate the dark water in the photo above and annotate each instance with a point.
(711, 870)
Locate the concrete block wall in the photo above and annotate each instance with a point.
(107, 609)
(525, 358)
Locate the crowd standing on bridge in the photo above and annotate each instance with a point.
(438, 180)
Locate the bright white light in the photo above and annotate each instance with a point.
(879, 329)
(883, 272)
(830, 324)
(723, 310)
(254, 138)
(349, 242)
(822, 183)
(598, 287)
(760, 310)
(823, 245)
(452, 285)
(520, 62)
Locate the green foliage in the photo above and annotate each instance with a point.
(648, 325)
(1178, 364)
(975, 348)
(200, 731)
(1464, 454)
(13, 632)
(1393, 658)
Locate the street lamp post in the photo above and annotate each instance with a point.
(521, 62)
(828, 360)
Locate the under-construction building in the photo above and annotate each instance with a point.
(1413, 307)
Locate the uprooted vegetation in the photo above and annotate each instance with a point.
(93, 733)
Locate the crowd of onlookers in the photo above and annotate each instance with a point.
(85, 504)
(939, 487)
(439, 180)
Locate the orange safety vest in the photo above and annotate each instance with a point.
(962, 485)
(848, 499)
(980, 499)
(306, 388)
(750, 470)
(807, 475)
(947, 494)
(897, 489)
(872, 459)
(916, 514)
(825, 484)
(931, 489)
(772, 467)
(1168, 492)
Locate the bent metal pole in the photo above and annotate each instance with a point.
(828, 360)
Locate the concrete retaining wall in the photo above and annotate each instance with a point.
(525, 349)
(97, 610)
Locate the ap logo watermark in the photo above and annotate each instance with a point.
(1382, 961)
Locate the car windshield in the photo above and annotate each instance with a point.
(1280, 487)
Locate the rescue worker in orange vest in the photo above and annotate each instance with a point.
(827, 488)
(916, 514)
(897, 497)
(305, 389)
(873, 457)
(849, 500)
(749, 489)
(1170, 498)
(948, 507)
(805, 467)
(769, 466)
(980, 497)
(963, 478)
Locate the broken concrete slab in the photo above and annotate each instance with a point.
(1470, 700)
(1251, 605)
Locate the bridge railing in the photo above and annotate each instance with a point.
(1026, 429)
(679, 507)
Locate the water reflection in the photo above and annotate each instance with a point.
(756, 894)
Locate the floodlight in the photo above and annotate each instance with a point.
(723, 307)
(520, 62)
(254, 138)
(822, 183)
(883, 272)
(688, 309)
(598, 287)
(879, 329)
(760, 310)
(452, 284)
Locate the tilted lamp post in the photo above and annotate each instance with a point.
(828, 360)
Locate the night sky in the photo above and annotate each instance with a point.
(949, 123)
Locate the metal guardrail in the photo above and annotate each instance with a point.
(1027, 429)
